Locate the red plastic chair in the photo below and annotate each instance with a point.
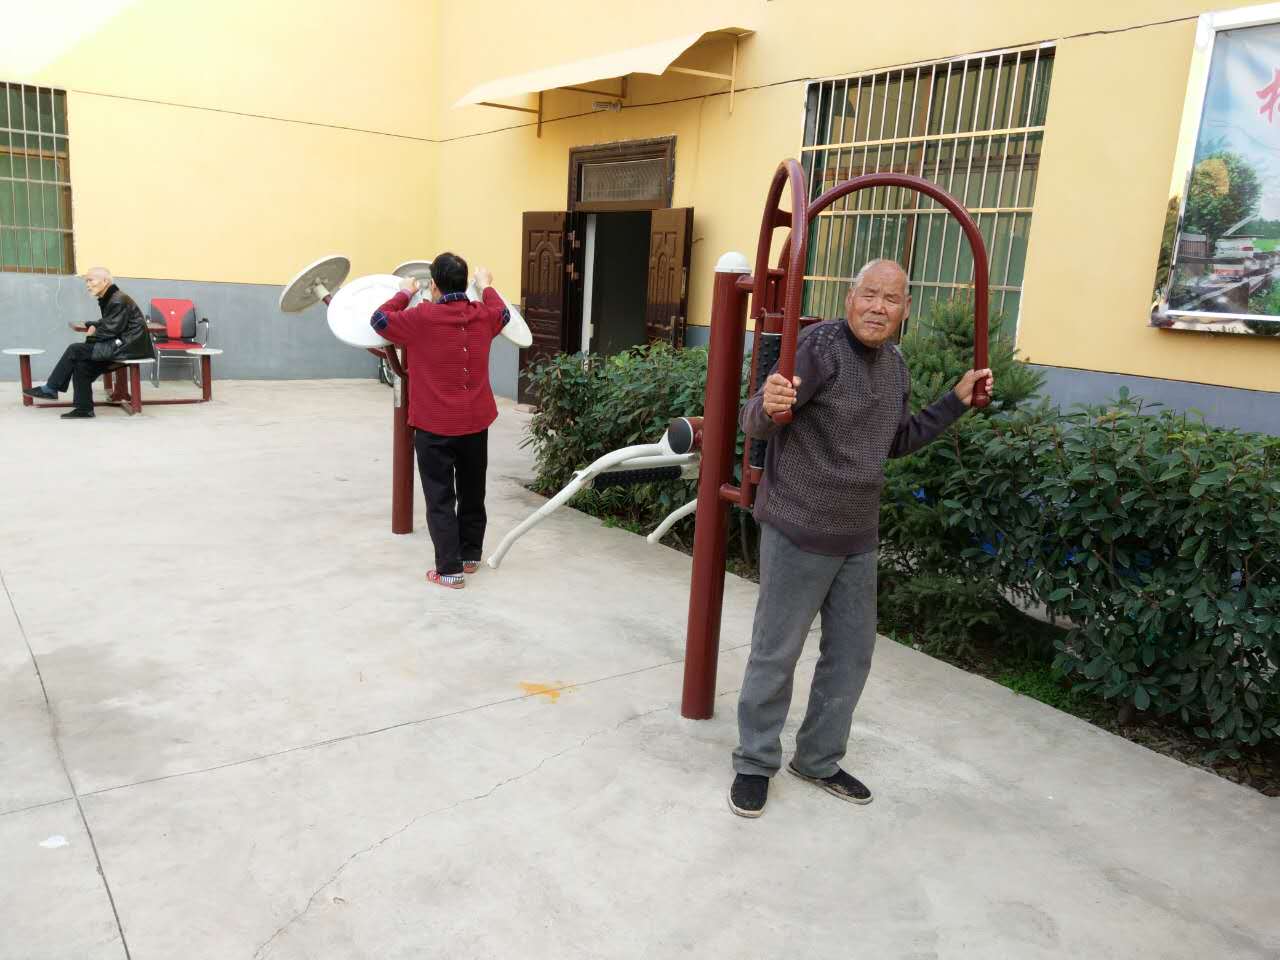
(181, 333)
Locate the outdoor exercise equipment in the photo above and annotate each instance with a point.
(348, 311)
(775, 301)
(515, 330)
(671, 458)
(317, 282)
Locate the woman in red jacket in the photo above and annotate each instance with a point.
(451, 404)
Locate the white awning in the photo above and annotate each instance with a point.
(652, 58)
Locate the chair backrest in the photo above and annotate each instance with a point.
(178, 317)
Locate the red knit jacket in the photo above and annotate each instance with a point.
(447, 346)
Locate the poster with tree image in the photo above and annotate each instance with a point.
(1224, 265)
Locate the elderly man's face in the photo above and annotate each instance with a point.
(876, 307)
(96, 283)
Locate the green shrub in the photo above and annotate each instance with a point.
(926, 588)
(589, 405)
(1156, 535)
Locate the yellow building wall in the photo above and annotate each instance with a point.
(1115, 107)
(238, 141)
(274, 133)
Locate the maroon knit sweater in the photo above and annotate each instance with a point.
(824, 471)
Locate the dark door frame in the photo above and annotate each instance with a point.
(661, 148)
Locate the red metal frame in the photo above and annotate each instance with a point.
(783, 286)
(401, 444)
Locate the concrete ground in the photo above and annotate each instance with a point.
(235, 723)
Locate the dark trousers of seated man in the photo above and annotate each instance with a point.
(78, 369)
(453, 475)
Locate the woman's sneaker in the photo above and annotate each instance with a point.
(454, 581)
(748, 794)
(470, 566)
(839, 784)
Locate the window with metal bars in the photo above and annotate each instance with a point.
(35, 181)
(974, 126)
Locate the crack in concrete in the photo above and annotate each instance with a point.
(311, 900)
(66, 769)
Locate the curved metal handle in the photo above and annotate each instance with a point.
(981, 273)
(788, 172)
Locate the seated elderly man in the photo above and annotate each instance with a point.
(121, 334)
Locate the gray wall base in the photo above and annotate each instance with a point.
(259, 342)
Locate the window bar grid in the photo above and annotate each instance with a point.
(967, 132)
(809, 174)
(878, 191)
(44, 215)
(828, 306)
(854, 100)
(812, 170)
(951, 174)
(13, 187)
(1017, 70)
(921, 211)
(913, 228)
(937, 169)
(991, 122)
(34, 165)
(906, 162)
(829, 245)
(820, 171)
(897, 111)
(1022, 163)
(26, 183)
(32, 146)
(860, 222)
(1004, 157)
(968, 167)
(68, 242)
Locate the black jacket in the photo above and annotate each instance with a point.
(122, 332)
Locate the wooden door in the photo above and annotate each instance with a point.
(542, 291)
(670, 243)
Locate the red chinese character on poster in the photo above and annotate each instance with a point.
(1270, 96)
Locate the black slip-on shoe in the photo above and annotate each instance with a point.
(749, 794)
(839, 784)
(41, 393)
(77, 415)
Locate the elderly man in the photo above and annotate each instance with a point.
(121, 334)
(818, 506)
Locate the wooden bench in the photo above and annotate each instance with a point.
(124, 392)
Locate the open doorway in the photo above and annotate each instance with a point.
(615, 281)
(612, 271)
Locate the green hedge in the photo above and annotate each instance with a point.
(589, 405)
(1156, 535)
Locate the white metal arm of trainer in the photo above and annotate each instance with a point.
(580, 479)
(679, 447)
(679, 513)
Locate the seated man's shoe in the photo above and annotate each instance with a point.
(41, 393)
(77, 415)
(749, 794)
(839, 784)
